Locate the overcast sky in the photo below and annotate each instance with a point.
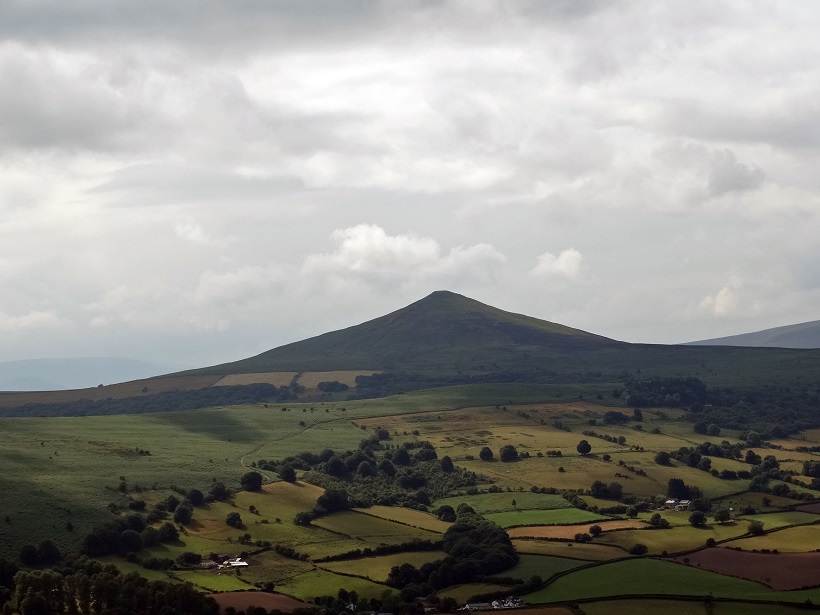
(195, 182)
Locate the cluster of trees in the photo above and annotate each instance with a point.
(89, 587)
(333, 386)
(378, 472)
(44, 554)
(475, 548)
(614, 439)
(506, 454)
(161, 402)
(663, 392)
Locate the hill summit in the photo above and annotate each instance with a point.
(444, 330)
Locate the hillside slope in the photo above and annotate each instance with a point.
(442, 331)
(803, 335)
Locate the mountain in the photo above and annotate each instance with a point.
(76, 373)
(803, 335)
(444, 330)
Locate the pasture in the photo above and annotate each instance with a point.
(560, 516)
(647, 576)
(378, 568)
(793, 539)
(593, 552)
(567, 532)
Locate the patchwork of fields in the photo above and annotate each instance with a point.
(73, 468)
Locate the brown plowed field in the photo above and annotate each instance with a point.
(569, 531)
(242, 600)
(810, 508)
(781, 571)
(135, 388)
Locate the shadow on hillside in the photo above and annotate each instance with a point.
(216, 425)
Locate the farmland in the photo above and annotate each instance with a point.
(77, 468)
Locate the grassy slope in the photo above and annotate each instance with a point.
(450, 334)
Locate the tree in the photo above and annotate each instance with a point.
(638, 549)
(365, 469)
(168, 532)
(183, 514)
(697, 519)
(219, 492)
(251, 481)
(28, 555)
(485, 454)
(508, 453)
(48, 553)
(663, 458)
(131, 540)
(446, 464)
(594, 530)
(446, 513)
(713, 430)
(234, 519)
(584, 447)
(196, 497)
(677, 489)
(287, 474)
(755, 528)
(723, 515)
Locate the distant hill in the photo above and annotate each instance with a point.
(443, 331)
(803, 335)
(441, 340)
(75, 373)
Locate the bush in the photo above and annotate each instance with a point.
(251, 481)
(234, 519)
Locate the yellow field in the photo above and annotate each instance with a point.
(407, 516)
(673, 540)
(378, 568)
(277, 379)
(793, 540)
(569, 531)
(585, 551)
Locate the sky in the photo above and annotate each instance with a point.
(196, 182)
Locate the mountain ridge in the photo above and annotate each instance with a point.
(804, 335)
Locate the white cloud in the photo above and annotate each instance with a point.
(192, 232)
(38, 320)
(367, 251)
(567, 265)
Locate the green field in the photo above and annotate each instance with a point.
(542, 565)
(358, 525)
(794, 539)
(647, 576)
(377, 568)
(680, 607)
(502, 502)
(324, 583)
(561, 516)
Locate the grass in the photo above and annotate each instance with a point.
(357, 525)
(582, 551)
(647, 576)
(680, 607)
(406, 516)
(213, 581)
(542, 565)
(378, 568)
(501, 502)
(795, 539)
(561, 516)
(324, 583)
(673, 540)
(463, 593)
